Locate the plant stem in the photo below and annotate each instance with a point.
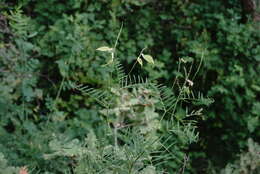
(136, 61)
(115, 137)
(201, 59)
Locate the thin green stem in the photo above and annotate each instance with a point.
(201, 59)
(60, 88)
(175, 80)
(115, 138)
(121, 28)
(132, 68)
(136, 60)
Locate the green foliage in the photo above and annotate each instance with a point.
(132, 111)
(249, 162)
(47, 47)
(5, 168)
(133, 157)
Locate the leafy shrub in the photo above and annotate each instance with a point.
(139, 115)
(54, 43)
(249, 162)
(5, 168)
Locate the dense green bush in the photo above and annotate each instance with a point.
(46, 130)
(50, 43)
(249, 162)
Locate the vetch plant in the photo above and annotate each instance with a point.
(136, 108)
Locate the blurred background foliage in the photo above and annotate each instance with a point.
(45, 44)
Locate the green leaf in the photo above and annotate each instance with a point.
(186, 59)
(148, 58)
(32, 34)
(105, 49)
(108, 63)
(149, 170)
(139, 60)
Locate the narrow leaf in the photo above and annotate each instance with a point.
(148, 58)
(107, 49)
(139, 60)
(190, 82)
(108, 63)
(186, 59)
